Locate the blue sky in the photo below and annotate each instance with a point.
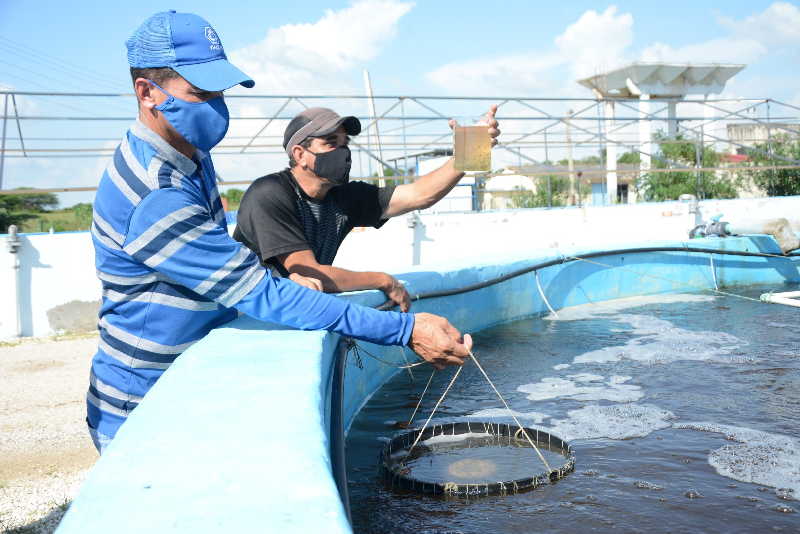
(428, 35)
(517, 48)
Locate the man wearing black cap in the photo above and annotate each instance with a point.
(169, 270)
(296, 219)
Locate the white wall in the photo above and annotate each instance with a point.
(55, 269)
(58, 269)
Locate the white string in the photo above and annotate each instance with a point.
(452, 381)
(511, 413)
(713, 272)
(419, 403)
(358, 348)
(408, 368)
(544, 298)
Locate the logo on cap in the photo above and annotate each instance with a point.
(211, 35)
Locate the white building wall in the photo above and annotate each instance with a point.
(58, 269)
(55, 269)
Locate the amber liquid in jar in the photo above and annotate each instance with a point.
(472, 148)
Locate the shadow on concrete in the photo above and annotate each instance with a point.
(45, 525)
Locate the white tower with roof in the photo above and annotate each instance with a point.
(669, 82)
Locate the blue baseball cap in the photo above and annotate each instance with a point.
(187, 44)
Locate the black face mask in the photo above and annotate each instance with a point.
(333, 165)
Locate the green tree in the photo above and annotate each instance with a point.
(559, 189)
(588, 160)
(387, 171)
(234, 198)
(660, 186)
(83, 215)
(8, 216)
(629, 157)
(18, 208)
(777, 182)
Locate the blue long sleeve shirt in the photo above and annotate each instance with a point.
(170, 273)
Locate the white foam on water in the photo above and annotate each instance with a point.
(618, 379)
(536, 417)
(781, 325)
(450, 438)
(561, 366)
(585, 377)
(757, 457)
(655, 340)
(614, 389)
(617, 421)
(599, 309)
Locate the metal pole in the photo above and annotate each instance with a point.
(603, 153)
(19, 128)
(645, 138)
(672, 124)
(13, 243)
(549, 180)
(697, 158)
(405, 145)
(3, 143)
(374, 117)
(570, 164)
(609, 115)
(250, 142)
(769, 143)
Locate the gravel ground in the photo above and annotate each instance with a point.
(45, 450)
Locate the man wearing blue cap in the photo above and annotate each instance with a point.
(170, 272)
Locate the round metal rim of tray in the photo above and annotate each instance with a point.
(391, 471)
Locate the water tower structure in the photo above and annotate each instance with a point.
(669, 83)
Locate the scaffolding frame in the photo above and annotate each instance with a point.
(535, 129)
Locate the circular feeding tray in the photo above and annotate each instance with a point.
(473, 459)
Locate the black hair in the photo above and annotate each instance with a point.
(156, 74)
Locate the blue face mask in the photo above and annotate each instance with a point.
(202, 124)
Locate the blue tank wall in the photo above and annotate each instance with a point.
(236, 436)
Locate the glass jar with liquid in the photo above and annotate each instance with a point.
(472, 148)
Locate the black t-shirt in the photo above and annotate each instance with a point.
(277, 217)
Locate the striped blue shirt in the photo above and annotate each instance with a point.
(170, 273)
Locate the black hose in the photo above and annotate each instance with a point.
(566, 259)
(337, 439)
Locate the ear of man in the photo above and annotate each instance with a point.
(297, 152)
(141, 78)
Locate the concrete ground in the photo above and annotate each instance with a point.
(45, 450)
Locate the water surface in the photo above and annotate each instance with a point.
(683, 410)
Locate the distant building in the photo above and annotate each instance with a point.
(591, 180)
(499, 191)
(750, 134)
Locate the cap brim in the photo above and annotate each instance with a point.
(215, 75)
(351, 125)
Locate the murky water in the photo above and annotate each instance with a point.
(683, 410)
(476, 459)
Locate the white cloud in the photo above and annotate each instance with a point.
(778, 25)
(601, 41)
(319, 57)
(776, 28)
(724, 50)
(518, 74)
(309, 57)
(578, 49)
(596, 42)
